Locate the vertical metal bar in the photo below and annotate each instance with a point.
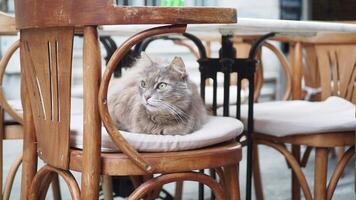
(202, 86)
(201, 187)
(226, 93)
(213, 175)
(250, 123)
(238, 100)
(215, 86)
(227, 55)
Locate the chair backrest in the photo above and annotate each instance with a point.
(334, 54)
(46, 61)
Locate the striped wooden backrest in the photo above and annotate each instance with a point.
(337, 68)
(46, 58)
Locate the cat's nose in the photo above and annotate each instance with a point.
(147, 97)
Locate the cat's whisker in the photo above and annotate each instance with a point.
(178, 111)
(174, 111)
(175, 114)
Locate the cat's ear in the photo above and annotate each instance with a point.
(146, 58)
(177, 65)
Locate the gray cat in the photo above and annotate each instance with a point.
(157, 99)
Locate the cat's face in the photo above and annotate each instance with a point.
(164, 88)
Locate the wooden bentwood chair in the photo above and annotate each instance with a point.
(46, 51)
(11, 127)
(331, 66)
(331, 60)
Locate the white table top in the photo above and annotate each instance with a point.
(245, 25)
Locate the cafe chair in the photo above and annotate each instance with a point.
(11, 114)
(322, 125)
(46, 51)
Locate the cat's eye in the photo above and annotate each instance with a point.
(162, 86)
(143, 84)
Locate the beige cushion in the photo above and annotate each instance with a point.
(281, 118)
(216, 130)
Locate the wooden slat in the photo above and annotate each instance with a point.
(102, 12)
(325, 80)
(47, 71)
(337, 66)
(334, 72)
(297, 69)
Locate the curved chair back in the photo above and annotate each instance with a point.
(334, 55)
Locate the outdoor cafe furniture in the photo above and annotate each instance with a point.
(46, 39)
(11, 125)
(320, 125)
(299, 34)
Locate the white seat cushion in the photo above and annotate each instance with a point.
(216, 130)
(76, 104)
(282, 118)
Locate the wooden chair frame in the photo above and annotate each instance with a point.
(323, 141)
(12, 130)
(46, 50)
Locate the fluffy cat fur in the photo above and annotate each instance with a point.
(156, 99)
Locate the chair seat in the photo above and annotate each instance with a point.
(216, 130)
(285, 118)
(211, 157)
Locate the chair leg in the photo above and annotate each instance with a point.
(320, 173)
(232, 187)
(48, 178)
(107, 187)
(2, 133)
(295, 183)
(1, 164)
(56, 189)
(257, 174)
(29, 161)
(339, 170)
(178, 191)
(10, 177)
